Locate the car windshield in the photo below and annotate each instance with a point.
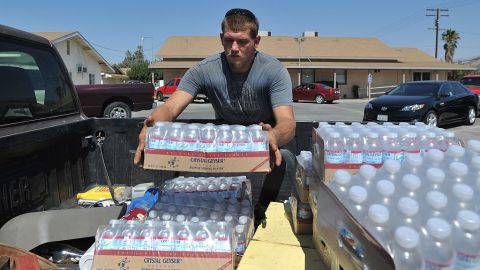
(416, 89)
(471, 81)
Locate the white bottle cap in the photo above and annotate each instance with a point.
(228, 218)
(435, 155)
(430, 135)
(385, 188)
(378, 213)
(473, 145)
(357, 194)
(411, 182)
(245, 203)
(243, 220)
(435, 175)
(153, 214)
(334, 135)
(476, 162)
(180, 218)
(410, 135)
(239, 228)
(245, 211)
(354, 135)
(407, 237)
(408, 206)
(392, 166)
(160, 123)
(200, 212)
(468, 220)
(414, 160)
(462, 192)
(367, 171)
(372, 135)
(166, 216)
(449, 134)
(392, 135)
(437, 199)
(342, 177)
(214, 215)
(438, 228)
(224, 127)
(455, 151)
(195, 219)
(459, 169)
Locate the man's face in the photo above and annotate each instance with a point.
(239, 48)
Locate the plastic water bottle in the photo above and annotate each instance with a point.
(222, 237)
(191, 138)
(334, 149)
(437, 249)
(241, 139)
(341, 183)
(224, 139)
(408, 210)
(174, 137)
(436, 203)
(183, 240)
(412, 164)
(129, 235)
(406, 252)
(462, 196)
(409, 143)
(165, 240)
(411, 185)
(208, 136)
(202, 240)
(377, 223)
(354, 149)
(455, 153)
(466, 241)
(472, 148)
(385, 191)
(357, 201)
(390, 170)
(365, 176)
(166, 217)
(458, 170)
(148, 234)
(240, 240)
(107, 238)
(436, 179)
(449, 140)
(372, 150)
(427, 142)
(157, 135)
(392, 148)
(259, 138)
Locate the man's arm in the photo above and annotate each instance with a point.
(169, 111)
(283, 131)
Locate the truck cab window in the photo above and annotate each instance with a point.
(32, 84)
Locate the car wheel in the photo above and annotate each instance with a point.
(471, 116)
(431, 119)
(117, 109)
(319, 99)
(159, 96)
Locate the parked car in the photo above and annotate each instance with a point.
(472, 82)
(115, 100)
(433, 102)
(168, 89)
(317, 92)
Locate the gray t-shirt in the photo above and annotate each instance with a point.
(241, 99)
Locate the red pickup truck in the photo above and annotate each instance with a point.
(167, 90)
(472, 82)
(115, 100)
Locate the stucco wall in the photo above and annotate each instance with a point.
(79, 56)
(169, 74)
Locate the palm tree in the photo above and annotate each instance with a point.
(451, 38)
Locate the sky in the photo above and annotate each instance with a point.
(113, 27)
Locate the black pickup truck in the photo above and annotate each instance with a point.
(50, 150)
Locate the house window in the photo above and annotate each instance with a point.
(308, 75)
(421, 76)
(341, 76)
(91, 78)
(68, 47)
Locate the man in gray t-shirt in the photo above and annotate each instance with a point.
(245, 87)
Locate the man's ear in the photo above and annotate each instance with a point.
(221, 38)
(257, 41)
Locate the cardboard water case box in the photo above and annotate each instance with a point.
(207, 162)
(302, 179)
(301, 225)
(162, 260)
(341, 240)
(325, 170)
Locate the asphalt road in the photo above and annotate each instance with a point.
(341, 110)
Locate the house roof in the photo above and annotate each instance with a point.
(315, 52)
(57, 37)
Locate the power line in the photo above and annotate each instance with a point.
(437, 15)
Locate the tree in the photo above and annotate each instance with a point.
(451, 38)
(132, 58)
(139, 71)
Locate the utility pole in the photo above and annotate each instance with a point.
(437, 15)
(299, 40)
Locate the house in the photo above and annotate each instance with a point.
(344, 62)
(84, 64)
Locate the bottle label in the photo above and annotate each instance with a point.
(157, 143)
(354, 157)
(467, 261)
(429, 265)
(393, 155)
(334, 156)
(224, 147)
(241, 247)
(106, 243)
(259, 145)
(372, 157)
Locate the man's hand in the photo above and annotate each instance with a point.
(273, 143)
(141, 140)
